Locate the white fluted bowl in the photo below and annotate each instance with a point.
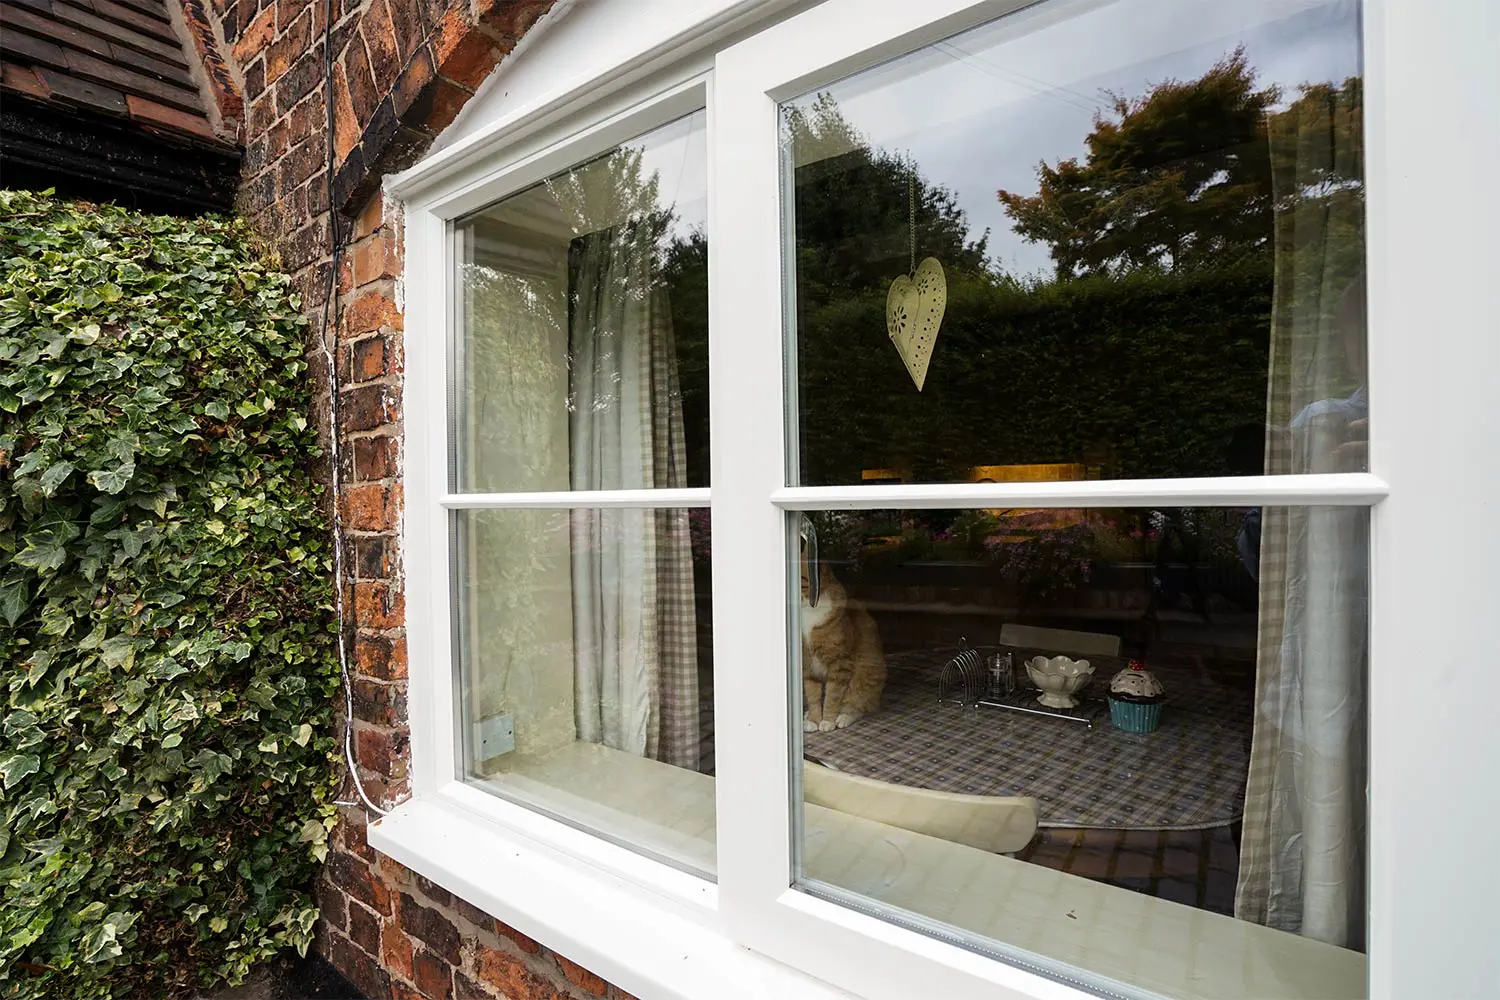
(1059, 678)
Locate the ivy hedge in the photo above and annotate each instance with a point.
(166, 635)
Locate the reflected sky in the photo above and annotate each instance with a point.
(979, 111)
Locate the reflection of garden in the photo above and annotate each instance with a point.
(1121, 571)
(1145, 354)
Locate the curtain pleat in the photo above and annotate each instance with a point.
(634, 619)
(1302, 851)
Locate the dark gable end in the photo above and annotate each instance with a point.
(101, 100)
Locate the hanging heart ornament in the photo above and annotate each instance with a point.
(913, 312)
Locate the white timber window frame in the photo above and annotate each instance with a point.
(1432, 87)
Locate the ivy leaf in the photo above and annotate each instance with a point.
(102, 943)
(49, 554)
(127, 344)
(13, 599)
(113, 480)
(117, 651)
(54, 477)
(17, 766)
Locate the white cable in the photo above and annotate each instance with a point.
(330, 359)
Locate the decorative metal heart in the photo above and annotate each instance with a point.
(913, 312)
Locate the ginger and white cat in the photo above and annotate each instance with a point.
(843, 663)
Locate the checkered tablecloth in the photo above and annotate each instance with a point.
(1189, 774)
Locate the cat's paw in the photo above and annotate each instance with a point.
(827, 725)
(808, 725)
(845, 718)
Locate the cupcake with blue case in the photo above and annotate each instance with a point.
(1135, 699)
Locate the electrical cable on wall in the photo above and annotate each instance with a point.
(330, 358)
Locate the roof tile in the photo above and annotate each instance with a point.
(23, 79)
(120, 58)
(118, 35)
(148, 112)
(72, 90)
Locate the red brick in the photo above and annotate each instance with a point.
(582, 978)
(332, 907)
(444, 101)
(309, 119)
(472, 914)
(394, 872)
(370, 311)
(398, 659)
(396, 953)
(434, 892)
(372, 749)
(256, 37)
(375, 258)
(288, 47)
(345, 127)
(525, 943)
(364, 929)
(379, 704)
(355, 878)
(367, 359)
(368, 407)
(367, 976)
(279, 139)
(510, 975)
(288, 11)
(395, 353)
(450, 33)
(363, 93)
(351, 834)
(468, 58)
(433, 976)
(375, 458)
(372, 507)
(412, 83)
(429, 926)
(370, 217)
(470, 989)
(510, 18)
(262, 112)
(380, 39)
(372, 557)
(255, 80)
(372, 656)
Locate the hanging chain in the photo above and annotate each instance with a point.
(911, 207)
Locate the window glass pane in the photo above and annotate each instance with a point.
(1121, 243)
(582, 345)
(1124, 741)
(585, 649)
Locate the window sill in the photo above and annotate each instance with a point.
(655, 944)
(652, 929)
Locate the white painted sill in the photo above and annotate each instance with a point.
(656, 945)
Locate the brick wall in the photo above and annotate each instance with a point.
(401, 70)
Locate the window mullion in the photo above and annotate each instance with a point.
(1341, 489)
(574, 499)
